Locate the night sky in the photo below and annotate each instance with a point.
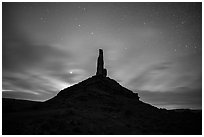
(154, 49)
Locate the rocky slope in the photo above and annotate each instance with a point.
(98, 105)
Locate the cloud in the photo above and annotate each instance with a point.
(150, 75)
(181, 97)
(171, 85)
(32, 69)
(180, 71)
(18, 55)
(32, 83)
(26, 95)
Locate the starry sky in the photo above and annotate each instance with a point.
(154, 49)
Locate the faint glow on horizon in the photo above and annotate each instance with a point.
(7, 90)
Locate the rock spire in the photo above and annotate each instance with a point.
(101, 71)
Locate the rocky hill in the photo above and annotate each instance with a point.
(96, 106)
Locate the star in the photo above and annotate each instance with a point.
(182, 22)
(77, 26)
(92, 33)
(43, 19)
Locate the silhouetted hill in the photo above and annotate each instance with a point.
(16, 105)
(98, 105)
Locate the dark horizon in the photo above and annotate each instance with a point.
(153, 49)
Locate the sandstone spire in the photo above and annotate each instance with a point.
(101, 71)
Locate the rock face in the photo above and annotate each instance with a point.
(101, 71)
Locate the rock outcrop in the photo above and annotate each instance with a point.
(101, 71)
